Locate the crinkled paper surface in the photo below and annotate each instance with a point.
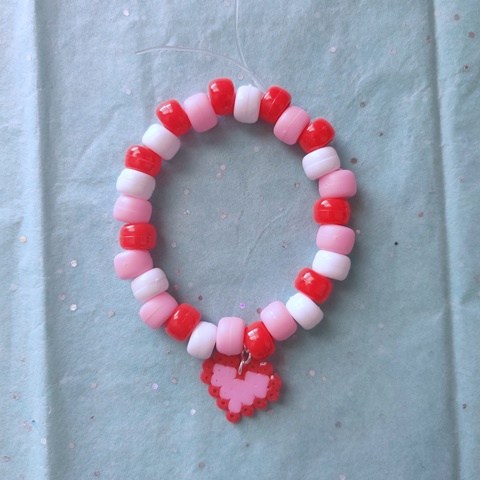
(386, 387)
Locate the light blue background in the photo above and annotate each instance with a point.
(386, 387)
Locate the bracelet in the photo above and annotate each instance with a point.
(237, 374)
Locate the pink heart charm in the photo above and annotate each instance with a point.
(240, 393)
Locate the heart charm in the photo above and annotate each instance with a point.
(240, 393)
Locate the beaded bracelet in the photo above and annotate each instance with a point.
(237, 374)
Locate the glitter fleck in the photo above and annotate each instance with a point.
(177, 272)
(154, 386)
(15, 396)
(354, 160)
(174, 380)
(193, 411)
(174, 244)
(464, 406)
(396, 243)
(428, 38)
(222, 167)
(96, 474)
(296, 184)
(73, 263)
(259, 310)
(471, 35)
(363, 104)
(176, 287)
(324, 378)
(311, 373)
(73, 307)
(284, 244)
(186, 212)
(380, 134)
(338, 424)
(357, 232)
(186, 192)
(27, 426)
(456, 16)
(223, 215)
(465, 67)
(242, 305)
(219, 175)
(256, 149)
(111, 313)
(240, 76)
(420, 214)
(342, 477)
(93, 385)
(128, 91)
(393, 51)
(71, 445)
(23, 239)
(380, 325)
(126, 12)
(333, 49)
(43, 441)
(6, 458)
(201, 465)
(168, 351)
(200, 298)
(61, 298)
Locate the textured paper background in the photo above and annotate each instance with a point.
(387, 386)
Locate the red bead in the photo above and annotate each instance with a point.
(331, 210)
(173, 117)
(138, 236)
(143, 159)
(275, 101)
(316, 135)
(258, 341)
(222, 95)
(313, 285)
(182, 322)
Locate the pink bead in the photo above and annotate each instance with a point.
(338, 184)
(291, 124)
(200, 112)
(278, 321)
(230, 332)
(335, 238)
(156, 311)
(132, 263)
(132, 210)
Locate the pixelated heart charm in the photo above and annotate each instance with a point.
(240, 393)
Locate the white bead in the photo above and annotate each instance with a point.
(136, 184)
(319, 162)
(247, 104)
(305, 311)
(202, 340)
(331, 264)
(161, 141)
(149, 284)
